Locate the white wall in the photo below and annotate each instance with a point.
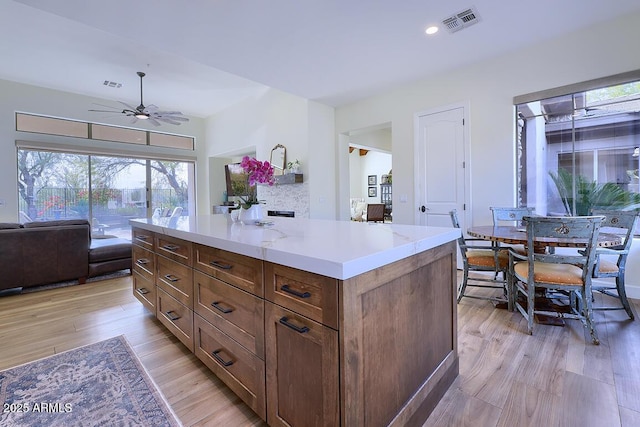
(33, 99)
(304, 127)
(489, 87)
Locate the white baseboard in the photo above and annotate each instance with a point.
(633, 292)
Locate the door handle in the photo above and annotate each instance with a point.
(422, 208)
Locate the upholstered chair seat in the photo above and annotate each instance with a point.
(561, 274)
(486, 258)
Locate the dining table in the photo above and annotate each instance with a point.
(513, 235)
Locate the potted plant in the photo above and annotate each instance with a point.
(589, 194)
(256, 172)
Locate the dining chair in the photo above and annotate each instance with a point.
(568, 274)
(375, 212)
(611, 262)
(481, 259)
(511, 216)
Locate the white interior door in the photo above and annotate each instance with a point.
(440, 157)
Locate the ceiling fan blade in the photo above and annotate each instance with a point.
(179, 118)
(169, 113)
(151, 108)
(128, 106)
(105, 111)
(154, 121)
(106, 106)
(168, 120)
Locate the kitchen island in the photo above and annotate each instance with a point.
(310, 322)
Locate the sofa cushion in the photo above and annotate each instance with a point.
(109, 249)
(9, 225)
(57, 223)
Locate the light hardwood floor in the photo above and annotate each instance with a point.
(507, 378)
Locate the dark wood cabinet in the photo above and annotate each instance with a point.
(302, 370)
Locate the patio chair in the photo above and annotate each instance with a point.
(611, 262)
(481, 259)
(569, 275)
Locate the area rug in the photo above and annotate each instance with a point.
(102, 384)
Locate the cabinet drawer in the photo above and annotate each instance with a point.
(175, 279)
(239, 270)
(143, 262)
(144, 290)
(176, 317)
(237, 367)
(142, 238)
(175, 249)
(302, 370)
(235, 312)
(309, 294)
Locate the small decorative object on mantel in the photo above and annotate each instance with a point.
(256, 172)
(294, 167)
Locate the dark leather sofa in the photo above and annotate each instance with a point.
(38, 253)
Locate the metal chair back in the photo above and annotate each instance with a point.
(513, 215)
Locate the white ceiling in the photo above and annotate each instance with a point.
(201, 56)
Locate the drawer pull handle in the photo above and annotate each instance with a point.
(142, 237)
(171, 315)
(171, 248)
(143, 291)
(285, 322)
(288, 290)
(143, 261)
(171, 277)
(216, 305)
(220, 359)
(221, 265)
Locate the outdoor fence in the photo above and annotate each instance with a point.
(64, 203)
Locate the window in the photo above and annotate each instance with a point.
(106, 190)
(28, 122)
(580, 150)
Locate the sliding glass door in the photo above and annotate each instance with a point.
(106, 190)
(580, 151)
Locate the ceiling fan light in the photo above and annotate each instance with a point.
(141, 116)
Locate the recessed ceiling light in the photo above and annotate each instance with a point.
(431, 30)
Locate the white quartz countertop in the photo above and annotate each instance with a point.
(338, 249)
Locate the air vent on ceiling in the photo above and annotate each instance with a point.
(112, 84)
(461, 20)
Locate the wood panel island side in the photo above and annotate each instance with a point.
(310, 322)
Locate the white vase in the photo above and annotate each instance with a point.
(251, 215)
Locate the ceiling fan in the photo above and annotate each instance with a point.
(150, 112)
